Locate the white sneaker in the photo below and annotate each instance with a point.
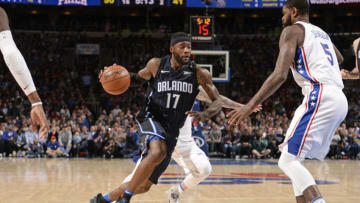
(173, 194)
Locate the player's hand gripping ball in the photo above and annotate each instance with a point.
(115, 79)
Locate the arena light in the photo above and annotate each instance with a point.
(67, 13)
(349, 14)
(315, 15)
(223, 15)
(255, 15)
(34, 12)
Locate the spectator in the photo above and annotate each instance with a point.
(9, 138)
(260, 147)
(132, 147)
(245, 143)
(53, 148)
(65, 139)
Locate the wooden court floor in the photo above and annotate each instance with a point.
(242, 181)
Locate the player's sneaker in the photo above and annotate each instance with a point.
(124, 199)
(173, 194)
(98, 199)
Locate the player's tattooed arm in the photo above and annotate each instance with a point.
(291, 37)
(227, 103)
(354, 74)
(150, 69)
(205, 81)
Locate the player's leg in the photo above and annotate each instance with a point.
(196, 164)
(311, 137)
(143, 183)
(156, 154)
(299, 175)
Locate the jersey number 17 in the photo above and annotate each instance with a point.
(169, 96)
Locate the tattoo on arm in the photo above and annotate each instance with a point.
(226, 102)
(205, 80)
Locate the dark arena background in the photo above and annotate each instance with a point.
(67, 42)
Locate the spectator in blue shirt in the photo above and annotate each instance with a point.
(9, 139)
(53, 148)
(131, 144)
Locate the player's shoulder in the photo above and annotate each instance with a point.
(153, 65)
(202, 74)
(154, 61)
(202, 71)
(293, 30)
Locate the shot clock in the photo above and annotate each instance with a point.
(202, 28)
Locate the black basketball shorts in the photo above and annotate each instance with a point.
(153, 130)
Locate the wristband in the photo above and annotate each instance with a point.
(36, 104)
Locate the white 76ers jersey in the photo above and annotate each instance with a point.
(315, 61)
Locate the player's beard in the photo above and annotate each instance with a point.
(179, 59)
(287, 21)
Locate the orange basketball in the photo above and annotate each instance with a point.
(115, 79)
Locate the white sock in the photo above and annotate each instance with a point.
(318, 200)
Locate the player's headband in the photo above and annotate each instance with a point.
(179, 39)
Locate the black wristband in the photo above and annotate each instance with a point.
(136, 77)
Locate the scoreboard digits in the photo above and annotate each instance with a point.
(202, 28)
(133, 2)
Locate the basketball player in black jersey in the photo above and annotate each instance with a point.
(173, 85)
(354, 74)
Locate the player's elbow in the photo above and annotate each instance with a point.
(281, 78)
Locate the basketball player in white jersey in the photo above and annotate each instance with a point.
(313, 59)
(189, 156)
(18, 68)
(354, 74)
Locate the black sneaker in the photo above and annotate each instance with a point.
(98, 199)
(124, 199)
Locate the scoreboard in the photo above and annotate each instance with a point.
(134, 2)
(158, 3)
(202, 28)
(237, 4)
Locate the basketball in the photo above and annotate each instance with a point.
(115, 79)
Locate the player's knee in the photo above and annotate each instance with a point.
(157, 155)
(204, 170)
(283, 163)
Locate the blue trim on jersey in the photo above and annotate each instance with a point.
(152, 125)
(153, 138)
(295, 142)
(300, 66)
(148, 132)
(147, 105)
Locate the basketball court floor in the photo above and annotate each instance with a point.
(232, 181)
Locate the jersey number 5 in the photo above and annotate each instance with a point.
(327, 52)
(176, 96)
